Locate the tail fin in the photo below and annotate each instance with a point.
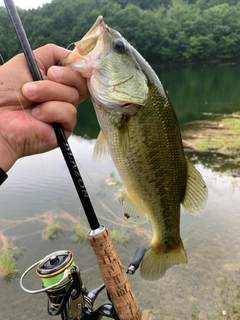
(155, 263)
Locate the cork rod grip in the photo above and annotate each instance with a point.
(115, 277)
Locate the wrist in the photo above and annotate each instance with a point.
(7, 158)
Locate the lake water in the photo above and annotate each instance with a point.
(39, 187)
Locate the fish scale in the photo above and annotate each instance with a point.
(139, 129)
(154, 170)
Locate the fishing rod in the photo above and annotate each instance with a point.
(61, 139)
(112, 271)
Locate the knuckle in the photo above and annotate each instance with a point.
(74, 97)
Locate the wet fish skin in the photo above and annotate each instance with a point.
(139, 128)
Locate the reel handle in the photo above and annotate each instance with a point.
(138, 256)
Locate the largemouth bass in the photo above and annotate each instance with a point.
(139, 128)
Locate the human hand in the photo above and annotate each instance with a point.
(28, 108)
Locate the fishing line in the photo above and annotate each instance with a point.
(111, 269)
(19, 100)
(20, 103)
(71, 44)
(61, 139)
(89, 269)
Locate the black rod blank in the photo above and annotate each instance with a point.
(62, 141)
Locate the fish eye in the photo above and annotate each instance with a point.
(118, 46)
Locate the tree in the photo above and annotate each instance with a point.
(163, 31)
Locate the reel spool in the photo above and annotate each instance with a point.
(51, 270)
(61, 281)
(54, 270)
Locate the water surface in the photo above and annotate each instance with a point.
(208, 286)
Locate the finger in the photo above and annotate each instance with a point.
(43, 91)
(49, 55)
(55, 111)
(69, 77)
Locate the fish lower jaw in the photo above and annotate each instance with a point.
(84, 65)
(86, 71)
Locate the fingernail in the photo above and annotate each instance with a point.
(30, 89)
(35, 112)
(57, 72)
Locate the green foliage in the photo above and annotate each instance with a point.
(145, 4)
(163, 31)
(53, 229)
(8, 261)
(80, 233)
(8, 264)
(119, 236)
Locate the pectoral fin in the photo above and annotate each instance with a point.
(132, 210)
(196, 193)
(101, 148)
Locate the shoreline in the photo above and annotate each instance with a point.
(195, 63)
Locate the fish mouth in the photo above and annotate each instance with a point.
(88, 47)
(95, 59)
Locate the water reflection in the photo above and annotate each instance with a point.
(217, 162)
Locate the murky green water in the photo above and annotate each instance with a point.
(208, 287)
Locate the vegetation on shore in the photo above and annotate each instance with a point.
(220, 135)
(163, 31)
